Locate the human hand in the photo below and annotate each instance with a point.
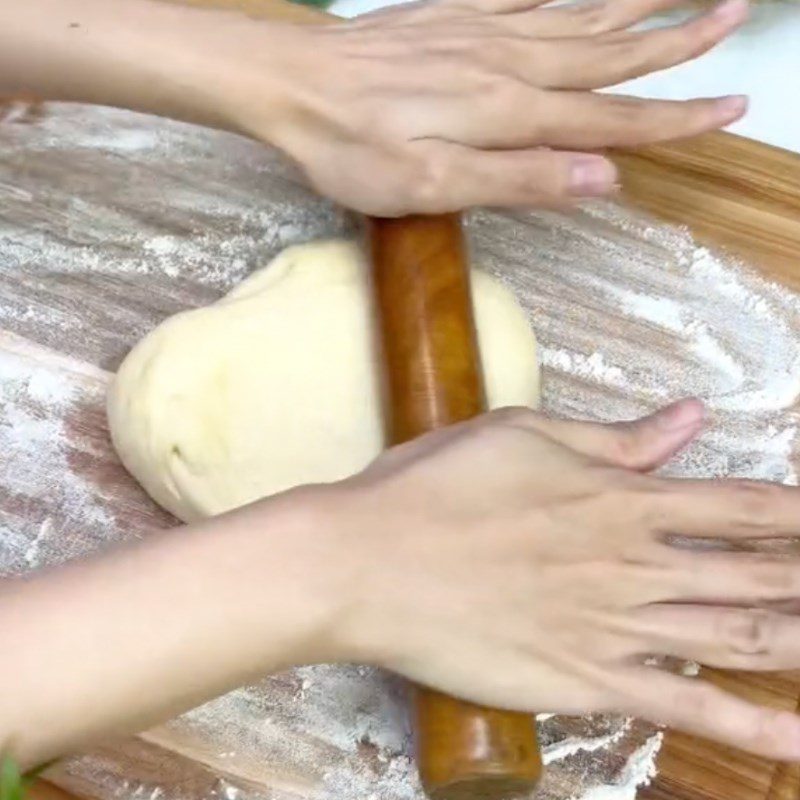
(430, 107)
(443, 105)
(520, 562)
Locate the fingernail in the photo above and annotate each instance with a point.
(592, 176)
(680, 415)
(732, 107)
(731, 10)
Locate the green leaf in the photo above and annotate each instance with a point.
(317, 3)
(13, 785)
(10, 780)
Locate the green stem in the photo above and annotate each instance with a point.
(13, 784)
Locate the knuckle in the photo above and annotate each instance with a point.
(630, 113)
(524, 109)
(489, 437)
(428, 182)
(498, 90)
(536, 62)
(512, 415)
(622, 48)
(626, 447)
(593, 18)
(494, 51)
(501, 51)
(772, 579)
(772, 729)
(749, 632)
(687, 42)
(639, 492)
(635, 55)
(464, 7)
(495, 77)
(490, 427)
(756, 503)
(699, 698)
(651, 50)
(631, 499)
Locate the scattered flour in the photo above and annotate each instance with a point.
(588, 367)
(639, 770)
(51, 513)
(208, 218)
(627, 329)
(574, 744)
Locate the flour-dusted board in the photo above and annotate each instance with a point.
(109, 222)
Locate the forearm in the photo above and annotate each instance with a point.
(122, 641)
(161, 58)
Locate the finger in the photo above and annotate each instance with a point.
(722, 578)
(491, 7)
(698, 708)
(517, 116)
(585, 19)
(454, 177)
(725, 509)
(643, 444)
(420, 12)
(576, 63)
(588, 121)
(727, 638)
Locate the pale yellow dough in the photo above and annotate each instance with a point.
(275, 386)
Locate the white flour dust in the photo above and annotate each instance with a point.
(625, 329)
(50, 513)
(180, 209)
(587, 367)
(576, 744)
(639, 770)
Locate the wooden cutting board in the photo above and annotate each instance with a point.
(109, 223)
(92, 198)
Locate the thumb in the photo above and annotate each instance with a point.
(641, 445)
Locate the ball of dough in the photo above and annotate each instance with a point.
(275, 385)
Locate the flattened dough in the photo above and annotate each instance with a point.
(275, 386)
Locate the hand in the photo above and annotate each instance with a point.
(431, 107)
(448, 104)
(520, 562)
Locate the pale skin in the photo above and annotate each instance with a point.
(515, 560)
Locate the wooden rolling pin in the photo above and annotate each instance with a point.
(433, 377)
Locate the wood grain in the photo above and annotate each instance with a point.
(731, 191)
(43, 790)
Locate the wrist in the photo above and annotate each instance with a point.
(300, 558)
(262, 85)
(362, 576)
